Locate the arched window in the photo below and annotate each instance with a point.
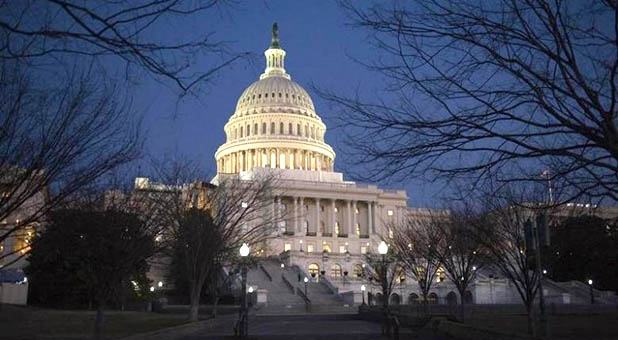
(255, 129)
(395, 299)
(248, 130)
(290, 132)
(272, 128)
(280, 128)
(335, 270)
(313, 269)
(451, 298)
(468, 297)
(358, 271)
(432, 298)
(413, 299)
(313, 132)
(263, 128)
(241, 132)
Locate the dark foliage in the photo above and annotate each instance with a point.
(583, 248)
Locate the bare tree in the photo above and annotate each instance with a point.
(515, 87)
(501, 232)
(458, 252)
(207, 223)
(412, 241)
(40, 32)
(55, 141)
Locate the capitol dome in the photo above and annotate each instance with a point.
(275, 124)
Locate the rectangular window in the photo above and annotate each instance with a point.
(363, 249)
(357, 228)
(390, 212)
(287, 246)
(310, 248)
(336, 228)
(342, 249)
(326, 247)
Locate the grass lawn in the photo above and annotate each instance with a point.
(603, 326)
(38, 323)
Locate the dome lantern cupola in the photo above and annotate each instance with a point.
(275, 58)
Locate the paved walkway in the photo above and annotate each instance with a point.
(297, 327)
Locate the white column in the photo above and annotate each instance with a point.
(318, 231)
(354, 220)
(370, 217)
(302, 217)
(333, 218)
(278, 214)
(348, 221)
(295, 213)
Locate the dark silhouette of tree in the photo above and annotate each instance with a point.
(206, 223)
(39, 32)
(56, 141)
(500, 231)
(518, 88)
(458, 252)
(101, 244)
(411, 242)
(584, 247)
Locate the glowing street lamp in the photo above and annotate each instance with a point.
(244, 250)
(591, 291)
(382, 248)
(244, 323)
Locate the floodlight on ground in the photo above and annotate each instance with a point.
(151, 288)
(382, 248)
(160, 284)
(250, 290)
(244, 205)
(244, 250)
(282, 266)
(306, 279)
(590, 282)
(363, 288)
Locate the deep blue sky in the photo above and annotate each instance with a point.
(318, 44)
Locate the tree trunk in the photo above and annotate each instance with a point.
(194, 307)
(214, 306)
(463, 309)
(99, 320)
(530, 318)
(425, 304)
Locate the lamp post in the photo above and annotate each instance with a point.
(363, 288)
(306, 280)
(382, 250)
(591, 292)
(244, 322)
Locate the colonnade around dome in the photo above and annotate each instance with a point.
(279, 158)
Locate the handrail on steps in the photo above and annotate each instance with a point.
(266, 272)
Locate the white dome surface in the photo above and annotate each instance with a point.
(274, 92)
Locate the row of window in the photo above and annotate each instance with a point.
(300, 98)
(291, 130)
(326, 247)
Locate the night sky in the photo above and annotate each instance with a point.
(320, 50)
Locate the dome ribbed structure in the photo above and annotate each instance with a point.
(275, 124)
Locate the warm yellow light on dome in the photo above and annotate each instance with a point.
(275, 125)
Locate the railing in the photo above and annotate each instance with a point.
(330, 286)
(363, 236)
(311, 233)
(287, 283)
(301, 293)
(266, 272)
(288, 233)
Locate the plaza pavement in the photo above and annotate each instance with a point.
(302, 327)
